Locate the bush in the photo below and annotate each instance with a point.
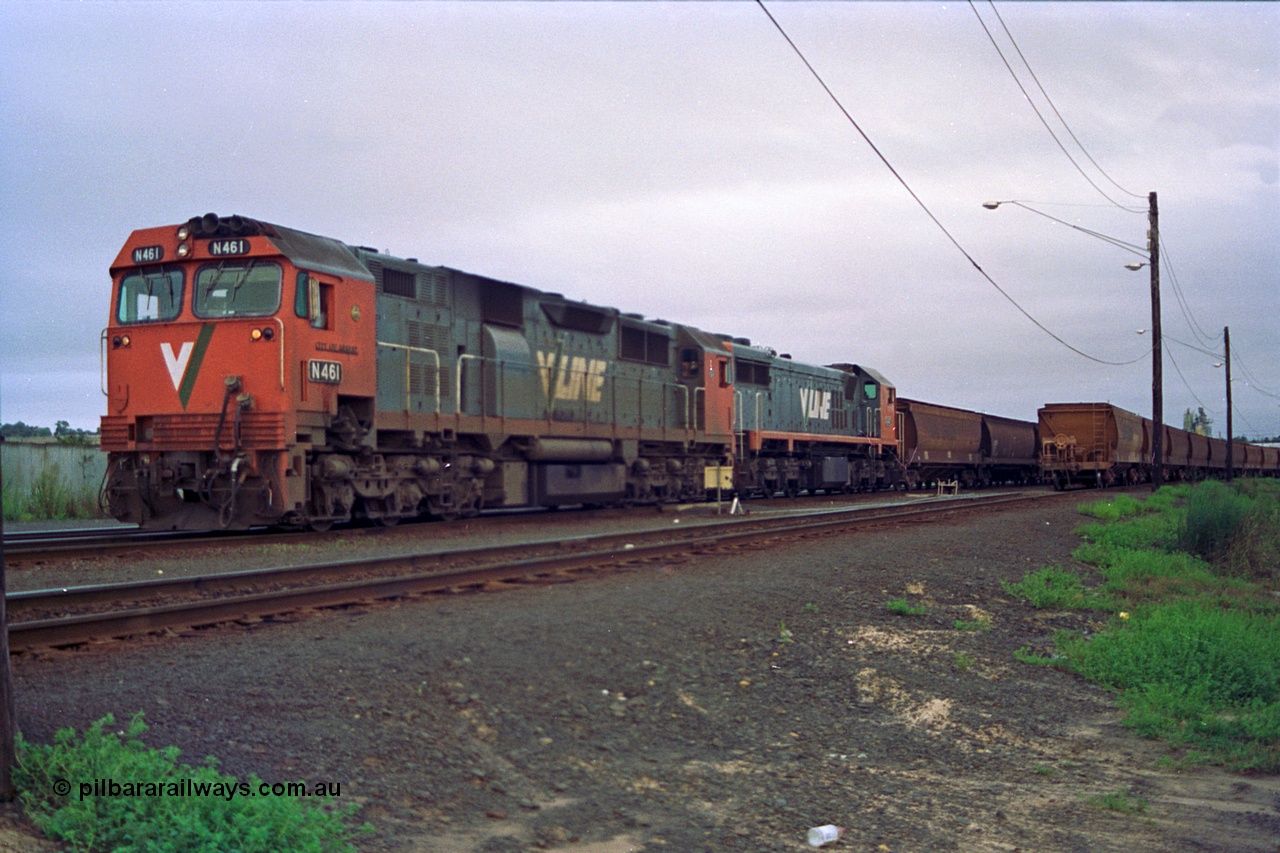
(1215, 513)
(1255, 548)
(50, 780)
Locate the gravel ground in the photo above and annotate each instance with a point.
(726, 702)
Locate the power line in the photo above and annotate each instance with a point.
(1040, 115)
(1132, 248)
(1237, 361)
(925, 207)
(1032, 72)
(1211, 353)
(1174, 361)
(1183, 305)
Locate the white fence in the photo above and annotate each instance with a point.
(77, 467)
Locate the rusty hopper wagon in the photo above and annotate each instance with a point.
(1103, 445)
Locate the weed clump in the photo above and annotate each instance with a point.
(163, 807)
(1054, 588)
(902, 607)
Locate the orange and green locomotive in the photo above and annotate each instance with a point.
(260, 375)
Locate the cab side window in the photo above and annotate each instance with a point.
(312, 300)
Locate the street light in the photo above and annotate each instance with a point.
(1157, 356)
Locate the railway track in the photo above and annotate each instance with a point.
(86, 614)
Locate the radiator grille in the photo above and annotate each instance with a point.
(258, 431)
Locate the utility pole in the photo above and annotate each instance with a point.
(1226, 336)
(7, 726)
(1157, 353)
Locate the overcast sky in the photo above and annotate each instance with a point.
(680, 160)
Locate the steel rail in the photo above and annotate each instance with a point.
(607, 550)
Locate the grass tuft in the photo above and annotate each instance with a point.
(902, 607)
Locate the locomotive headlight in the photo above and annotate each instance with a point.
(120, 341)
(183, 233)
(183, 250)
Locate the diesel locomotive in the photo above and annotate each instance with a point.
(260, 375)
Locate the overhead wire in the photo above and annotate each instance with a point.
(1052, 105)
(1132, 248)
(924, 206)
(1183, 305)
(1174, 362)
(1040, 116)
(1238, 361)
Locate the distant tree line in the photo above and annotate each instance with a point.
(62, 431)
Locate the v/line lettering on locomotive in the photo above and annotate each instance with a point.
(574, 377)
(815, 404)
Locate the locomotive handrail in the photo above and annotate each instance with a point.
(280, 323)
(408, 388)
(457, 400)
(102, 362)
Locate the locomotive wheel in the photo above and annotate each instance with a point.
(319, 525)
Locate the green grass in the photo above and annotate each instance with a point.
(902, 607)
(55, 784)
(1055, 588)
(1194, 650)
(972, 625)
(1113, 509)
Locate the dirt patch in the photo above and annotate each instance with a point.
(727, 702)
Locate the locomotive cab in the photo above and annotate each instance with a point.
(233, 346)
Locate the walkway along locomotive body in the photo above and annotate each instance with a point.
(256, 374)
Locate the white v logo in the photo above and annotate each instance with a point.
(177, 364)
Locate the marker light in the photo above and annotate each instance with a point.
(256, 335)
(268, 333)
